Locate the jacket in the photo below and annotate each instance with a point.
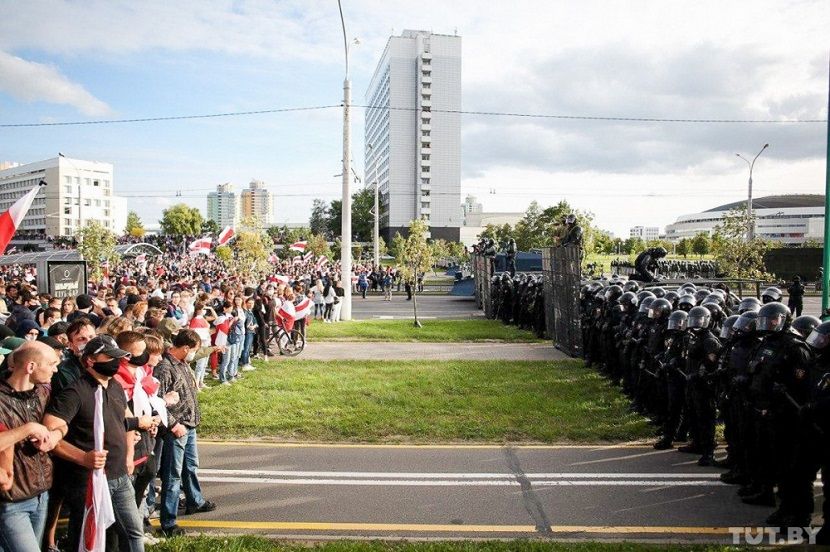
(32, 468)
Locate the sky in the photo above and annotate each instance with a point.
(97, 60)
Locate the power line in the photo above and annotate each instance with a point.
(448, 111)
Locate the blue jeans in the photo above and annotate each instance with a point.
(179, 463)
(22, 523)
(230, 362)
(245, 356)
(128, 523)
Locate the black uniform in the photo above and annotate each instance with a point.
(701, 362)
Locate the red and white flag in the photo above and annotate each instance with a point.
(288, 315)
(98, 513)
(273, 259)
(321, 262)
(281, 278)
(308, 256)
(11, 219)
(298, 260)
(298, 246)
(141, 258)
(201, 246)
(223, 328)
(303, 308)
(225, 235)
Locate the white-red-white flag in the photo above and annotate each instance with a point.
(287, 315)
(308, 256)
(281, 278)
(321, 262)
(201, 246)
(297, 260)
(303, 308)
(298, 246)
(225, 235)
(141, 258)
(223, 328)
(98, 512)
(11, 219)
(273, 259)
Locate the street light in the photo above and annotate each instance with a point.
(751, 229)
(346, 215)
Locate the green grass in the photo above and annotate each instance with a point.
(432, 331)
(421, 402)
(261, 544)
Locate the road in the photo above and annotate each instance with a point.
(429, 306)
(370, 350)
(573, 493)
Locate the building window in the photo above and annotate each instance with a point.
(87, 203)
(426, 133)
(425, 157)
(67, 201)
(97, 201)
(425, 169)
(67, 180)
(77, 180)
(96, 182)
(68, 222)
(106, 212)
(67, 210)
(67, 189)
(106, 183)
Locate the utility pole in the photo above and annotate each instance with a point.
(826, 274)
(750, 233)
(346, 214)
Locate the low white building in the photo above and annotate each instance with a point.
(77, 192)
(646, 233)
(788, 219)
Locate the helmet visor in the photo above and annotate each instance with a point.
(774, 323)
(697, 321)
(726, 332)
(744, 324)
(676, 324)
(818, 340)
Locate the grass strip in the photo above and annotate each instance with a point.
(435, 331)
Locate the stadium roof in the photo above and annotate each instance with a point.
(776, 202)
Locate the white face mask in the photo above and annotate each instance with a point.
(190, 356)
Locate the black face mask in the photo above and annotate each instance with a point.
(108, 368)
(140, 360)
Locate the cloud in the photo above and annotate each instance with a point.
(30, 81)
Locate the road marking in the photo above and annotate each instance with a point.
(458, 482)
(425, 446)
(444, 528)
(450, 475)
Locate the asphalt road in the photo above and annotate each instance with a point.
(429, 306)
(381, 350)
(573, 493)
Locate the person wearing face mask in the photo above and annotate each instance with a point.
(28, 330)
(73, 412)
(70, 369)
(21, 310)
(180, 457)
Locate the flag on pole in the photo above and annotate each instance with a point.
(201, 246)
(308, 256)
(98, 513)
(298, 246)
(225, 235)
(298, 260)
(11, 219)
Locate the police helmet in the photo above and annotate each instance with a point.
(745, 324)
(771, 295)
(672, 297)
(726, 331)
(804, 325)
(715, 309)
(719, 292)
(689, 285)
(819, 338)
(713, 298)
(613, 293)
(628, 299)
(700, 295)
(645, 304)
(642, 295)
(677, 321)
(570, 219)
(659, 252)
(748, 304)
(658, 292)
(699, 318)
(774, 317)
(631, 285)
(686, 303)
(659, 308)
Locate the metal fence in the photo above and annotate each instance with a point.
(547, 274)
(562, 296)
(482, 272)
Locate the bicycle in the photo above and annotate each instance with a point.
(287, 343)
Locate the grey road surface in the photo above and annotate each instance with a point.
(429, 306)
(574, 493)
(339, 350)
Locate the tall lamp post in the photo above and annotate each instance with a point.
(346, 214)
(750, 233)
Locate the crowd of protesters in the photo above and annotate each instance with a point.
(133, 355)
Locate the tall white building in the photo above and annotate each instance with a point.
(413, 133)
(222, 206)
(77, 192)
(646, 233)
(258, 201)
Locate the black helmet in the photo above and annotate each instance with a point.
(745, 324)
(689, 285)
(774, 317)
(672, 297)
(658, 292)
(677, 321)
(748, 304)
(771, 295)
(699, 318)
(570, 218)
(659, 252)
(804, 325)
(645, 304)
(659, 308)
(686, 303)
(715, 309)
(642, 295)
(726, 330)
(700, 295)
(713, 298)
(613, 293)
(628, 299)
(819, 338)
(631, 285)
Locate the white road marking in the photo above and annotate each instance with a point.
(450, 475)
(457, 482)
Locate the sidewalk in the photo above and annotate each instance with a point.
(386, 350)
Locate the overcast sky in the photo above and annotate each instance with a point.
(104, 59)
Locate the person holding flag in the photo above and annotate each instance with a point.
(11, 219)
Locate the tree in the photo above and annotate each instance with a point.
(737, 257)
(96, 245)
(318, 245)
(181, 220)
(415, 256)
(210, 227)
(134, 228)
(701, 244)
(253, 247)
(363, 221)
(633, 245)
(318, 222)
(224, 253)
(683, 247)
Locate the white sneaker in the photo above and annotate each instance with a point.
(150, 540)
(226, 383)
(247, 368)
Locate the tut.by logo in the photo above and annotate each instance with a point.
(774, 535)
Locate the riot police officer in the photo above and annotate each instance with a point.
(675, 380)
(646, 263)
(511, 257)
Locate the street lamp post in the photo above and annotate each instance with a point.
(346, 226)
(750, 233)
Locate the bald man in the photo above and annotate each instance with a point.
(23, 398)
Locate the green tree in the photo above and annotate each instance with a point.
(96, 245)
(134, 227)
(224, 253)
(633, 245)
(415, 256)
(701, 244)
(363, 221)
(210, 227)
(318, 245)
(318, 222)
(253, 246)
(181, 220)
(683, 247)
(737, 257)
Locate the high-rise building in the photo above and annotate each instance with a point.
(77, 192)
(222, 206)
(258, 201)
(413, 133)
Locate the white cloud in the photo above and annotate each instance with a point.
(30, 81)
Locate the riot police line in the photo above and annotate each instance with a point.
(672, 269)
(694, 356)
(518, 300)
